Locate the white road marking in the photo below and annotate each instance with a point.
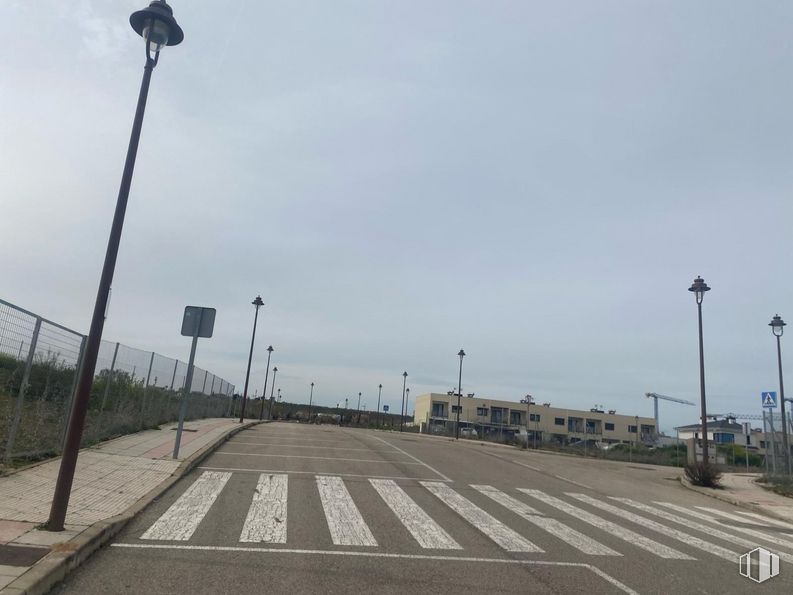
(303, 445)
(426, 531)
(552, 526)
(686, 538)
(180, 521)
(407, 454)
(266, 520)
(253, 454)
(283, 442)
(487, 524)
(314, 472)
(345, 522)
(712, 531)
(766, 519)
(261, 550)
(617, 531)
(543, 471)
(740, 519)
(775, 539)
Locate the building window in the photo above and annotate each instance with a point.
(762, 444)
(723, 438)
(496, 415)
(481, 411)
(609, 427)
(559, 421)
(514, 418)
(534, 417)
(631, 429)
(438, 410)
(455, 409)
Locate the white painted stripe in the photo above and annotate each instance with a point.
(687, 522)
(554, 527)
(345, 523)
(266, 520)
(303, 445)
(420, 462)
(487, 524)
(314, 472)
(284, 442)
(354, 554)
(766, 520)
(739, 519)
(426, 531)
(253, 454)
(617, 531)
(537, 469)
(775, 539)
(686, 538)
(180, 521)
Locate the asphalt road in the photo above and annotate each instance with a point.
(288, 508)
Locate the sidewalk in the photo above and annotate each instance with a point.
(740, 489)
(111, 479)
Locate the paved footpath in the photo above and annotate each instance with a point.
(111, 478)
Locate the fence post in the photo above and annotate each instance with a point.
(22, 388)
(145, 389)
(109, 379)
(68, 409)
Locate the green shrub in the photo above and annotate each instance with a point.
(703, 474)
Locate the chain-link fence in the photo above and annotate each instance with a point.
(132, 389)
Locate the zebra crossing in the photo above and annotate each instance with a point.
(266, 519)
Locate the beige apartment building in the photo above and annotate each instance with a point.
(436, 412)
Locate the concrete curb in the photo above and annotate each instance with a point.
(67, 556)
(730, 500)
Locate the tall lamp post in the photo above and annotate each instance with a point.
(264, 390)
(407, 400)
(459, 396)
(158, 28)
(528, 400)
(379, 392)
(272, 390)
(404, 385)
(698, 288)
(258, 303)
(359, 409)
(310, 400)
(778, 327)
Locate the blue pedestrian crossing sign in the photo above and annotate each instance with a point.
(769, 399)
(385, 408)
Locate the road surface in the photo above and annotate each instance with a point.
(290, 508)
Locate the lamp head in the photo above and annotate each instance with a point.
(699, 287)
(777, 325)
(157, 26)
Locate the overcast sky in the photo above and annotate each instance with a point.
(536, 182)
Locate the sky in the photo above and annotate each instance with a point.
(535, 182)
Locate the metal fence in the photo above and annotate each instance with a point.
(132, 389)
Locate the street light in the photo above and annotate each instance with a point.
(698, 288)
(407, 400)
(272, 390)
(404, 384)
(264, 390)
(359, 409)
(778, 327)
(258, 303)
(379, 392)
(310, 399)
(528, 400)
(158, 27)
(459, 395)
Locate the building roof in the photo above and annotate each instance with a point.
(719, 424)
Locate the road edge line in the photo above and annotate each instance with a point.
(734, 501)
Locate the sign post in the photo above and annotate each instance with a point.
(197, 322)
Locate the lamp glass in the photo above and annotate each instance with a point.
(156, 34)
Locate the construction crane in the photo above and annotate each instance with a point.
(655, 397)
